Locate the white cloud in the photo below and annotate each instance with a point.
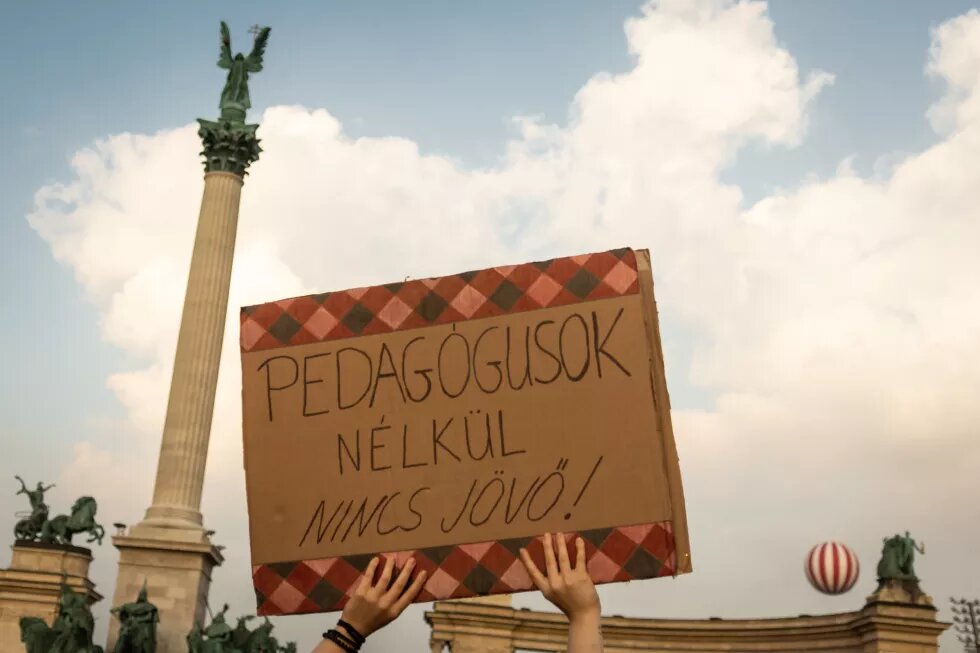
(838, 323)
(954, 58)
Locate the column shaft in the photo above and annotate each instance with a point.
(187, 429)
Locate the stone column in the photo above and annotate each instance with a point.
(170, 549)
(32, 584)
(187, 429)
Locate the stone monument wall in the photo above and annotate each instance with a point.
(30, 587)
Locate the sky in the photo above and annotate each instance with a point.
(804, 174)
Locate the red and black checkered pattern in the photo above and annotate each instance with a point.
(427, 302)
(464, 570)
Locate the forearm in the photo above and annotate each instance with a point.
(585, 634)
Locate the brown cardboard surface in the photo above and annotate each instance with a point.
(422, 436)
(658, 377)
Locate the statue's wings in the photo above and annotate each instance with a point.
(224, 59)
(253, 63)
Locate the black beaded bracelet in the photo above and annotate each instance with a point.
(347, 644)
(358, 638)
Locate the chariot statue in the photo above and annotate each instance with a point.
(37, 527)
(30, 525)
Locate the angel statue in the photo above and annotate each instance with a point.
(234, 98)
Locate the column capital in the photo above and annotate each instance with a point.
(228, 146)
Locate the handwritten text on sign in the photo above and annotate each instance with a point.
(481, 430)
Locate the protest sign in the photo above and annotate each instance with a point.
(455, 419)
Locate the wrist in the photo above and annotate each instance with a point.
(346, 636)
(362, 631)
(586, 617)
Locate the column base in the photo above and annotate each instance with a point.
(31, 586)
(172, 517)
(176, 564)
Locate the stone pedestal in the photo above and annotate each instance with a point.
(906, 592)
(177, 576)
(32, 584)
(899, 618)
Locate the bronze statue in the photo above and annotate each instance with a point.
(137, 625)
(235, 99)
(240, 636)
(262, 641)
(195, 640)
(219, 637)
(898, 558)
(72, 630)
(62, 528)
(30, 527)
(216, 638)
(230, 145)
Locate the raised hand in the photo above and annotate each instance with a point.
(569, 588)
(375, 605)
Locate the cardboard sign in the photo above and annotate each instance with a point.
(454, 420)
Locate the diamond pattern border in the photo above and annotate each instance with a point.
(427, 302)
(454, 572)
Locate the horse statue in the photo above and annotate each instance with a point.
(37, 636)
(62, 528)
(71, 632)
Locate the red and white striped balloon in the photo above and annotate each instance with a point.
(832, 568)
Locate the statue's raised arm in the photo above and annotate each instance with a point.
(23, 486)
(254, 60)
(920, 547)
(224, 58)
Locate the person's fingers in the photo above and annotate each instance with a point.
(368, 578)
(532, 570)
(410, 594)
(399, 585)
(385, 579)
(580, 554)
(549, 557)
(563, 564)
